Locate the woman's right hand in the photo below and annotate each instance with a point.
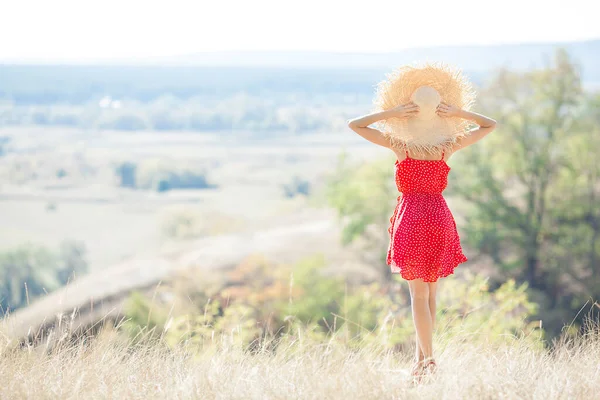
(405, 110)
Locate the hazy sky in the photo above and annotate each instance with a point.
(86, 29)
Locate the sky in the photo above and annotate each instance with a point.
(70, 30)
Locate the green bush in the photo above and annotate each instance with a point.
(160, 176)
(259, 300)
(297, 186)
(30, 271)
(143, 320)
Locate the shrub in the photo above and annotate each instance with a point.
(259, 300)
(159, 176)
(126, 174)
(296, 186)
(29, 271)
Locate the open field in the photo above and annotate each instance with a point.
(115, 223)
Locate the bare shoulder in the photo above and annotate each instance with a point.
(400, 154)
(455, 147)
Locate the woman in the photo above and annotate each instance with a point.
(424, 244)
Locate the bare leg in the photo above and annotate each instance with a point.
(432, 302)
(419, 356)
(419, 293)
(430, 365)
(419, 353)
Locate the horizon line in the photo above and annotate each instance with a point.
(107, 60)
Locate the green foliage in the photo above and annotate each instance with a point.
(234, 113)
(144, 320)
(531, 200)
(364, 196)
(29, 271)
(259, 300)
(259, 100)
(317, 297)
(160, 176)
(469, 309)
(72, 261)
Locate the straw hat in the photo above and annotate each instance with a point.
(425, 85)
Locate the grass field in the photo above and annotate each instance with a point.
(469, 368)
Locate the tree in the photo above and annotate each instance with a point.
(30, 271)
(126, 174)
(25, 273)
(531, 186)
(365, 197)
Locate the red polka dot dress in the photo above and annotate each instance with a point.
(424, 242)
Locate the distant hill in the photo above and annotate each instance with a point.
(473, 58)
(222, 73)
(241, 91)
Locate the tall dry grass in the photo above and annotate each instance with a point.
(112, 367)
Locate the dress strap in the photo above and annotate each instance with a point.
(442, 155)
(405, 150)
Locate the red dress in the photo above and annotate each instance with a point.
(424, 242)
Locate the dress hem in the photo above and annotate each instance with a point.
(461, 259)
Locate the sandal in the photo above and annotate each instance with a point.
(417, 368)
(429, 366)
(423, 369)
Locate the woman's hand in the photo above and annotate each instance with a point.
(446, 110)
(405, 110)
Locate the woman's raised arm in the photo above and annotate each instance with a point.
(486, 124)
(360, 125)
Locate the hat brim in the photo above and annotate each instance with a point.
(431, 135)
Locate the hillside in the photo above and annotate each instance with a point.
(472, 58)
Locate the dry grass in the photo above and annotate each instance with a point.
(110, 367)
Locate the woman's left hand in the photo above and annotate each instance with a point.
(446, 110)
